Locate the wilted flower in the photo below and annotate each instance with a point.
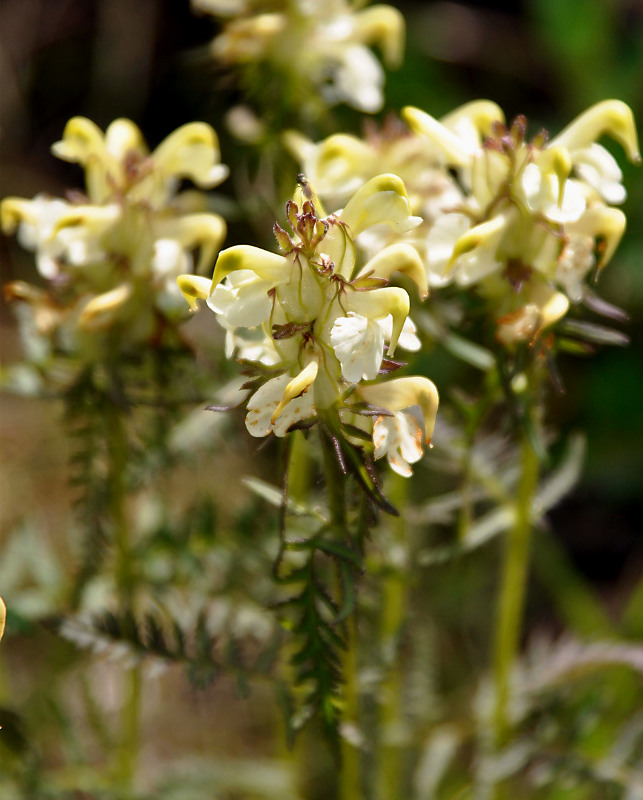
(328, 326)
(534, 219)
(112, 255)
(313, 48)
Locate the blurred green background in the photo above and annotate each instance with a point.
(148, 60)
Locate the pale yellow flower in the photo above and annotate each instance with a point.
(118, 250)
(322, 48)
(539, 204)
(327, 324)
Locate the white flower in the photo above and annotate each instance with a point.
(358, 343)
(265, 403)
(576, 260)
(36, 230)
(399, 438)
(356, 78)
(598, 167)
(542, 192)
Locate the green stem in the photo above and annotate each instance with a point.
(117, 452)
(394, 595)
(127, 750)
(511, 599)
(350, 778)
(130, 729)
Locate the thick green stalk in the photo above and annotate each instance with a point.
(350, 777)
(394, 595)
(511, 599)
(127, 749)
(130, 729)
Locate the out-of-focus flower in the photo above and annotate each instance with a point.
(112, 255)
(327, 324)
(341, 163)
(315, 49)
(534, 220)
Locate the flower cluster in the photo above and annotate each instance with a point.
(339, 164)
(524, 222)
(111, 256)
(318, 48)
(536, 217)
(320, 330)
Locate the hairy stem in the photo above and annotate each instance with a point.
(350, 778)
(394, 595)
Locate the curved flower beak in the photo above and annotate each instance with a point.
(402, 258)
(609, 117)
(402, 393)
(83, 142)
(193, 288)
(605, 222)
(382, 25)
(192, 151)
(383, 199)
(205, 231)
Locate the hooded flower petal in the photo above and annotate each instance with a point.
(383, 199)
(83, 143)
(402, 258)
(383, 25)
(194, 287)
(268, 266)
(473, 121)
(606, 223)
(191, 151)
(402, 393)
(295, 388)
(609, 117)
(203, 231)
